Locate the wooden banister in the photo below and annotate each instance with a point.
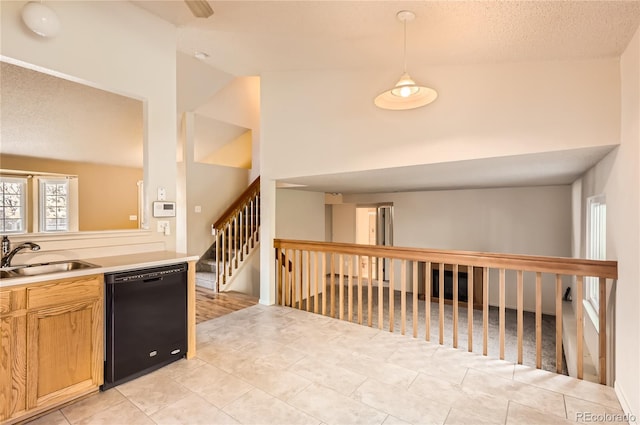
(295, 289)
(244, 197)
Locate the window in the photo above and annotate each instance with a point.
(54, 205)
(596, 243)
(13, 208)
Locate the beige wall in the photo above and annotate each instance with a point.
(528, 220)
(118, 47)
(325, 121)
(300, 215)
(107, 194)
(617, 177)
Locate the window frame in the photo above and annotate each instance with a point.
(596, 245)
(43, 182)
(23, 204)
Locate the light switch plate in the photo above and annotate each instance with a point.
(162, 194)
(198, 209)
(162, 226)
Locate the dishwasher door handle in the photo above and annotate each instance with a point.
(154, 279)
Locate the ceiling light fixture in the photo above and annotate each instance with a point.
(40, 19)
(200, 55)
(406, 94)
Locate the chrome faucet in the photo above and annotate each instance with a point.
(6, 258)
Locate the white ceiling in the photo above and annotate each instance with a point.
(253, 37)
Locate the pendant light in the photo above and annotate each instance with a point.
(406, 94)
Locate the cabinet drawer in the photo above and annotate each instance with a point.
(63, 291)
(12, 300)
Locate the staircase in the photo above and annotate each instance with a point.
(236, 236)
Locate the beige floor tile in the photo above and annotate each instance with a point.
(121, 413)
(215, 385)
(529, 395)
(437, 389)
(54, 418)
(334, 408)
(465, 417)
(392, 420)
(151, 393)
(92, 405)
(401, 403)
(524, 415)
(479, 408)
(388, 373)
(279, 383)
(192, 410)
(180, 367)
(584, 411)
(585, 390)
(320, 371)
(258, 407)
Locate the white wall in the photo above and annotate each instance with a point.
(118, 47)
(325, 121)
(531, 220)
(299, 215)
(617, 176)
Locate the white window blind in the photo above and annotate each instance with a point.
(13, 208)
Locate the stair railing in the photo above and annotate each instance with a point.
(236, 233)
(328, 278)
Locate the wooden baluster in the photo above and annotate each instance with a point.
(223, 268)
(538, 320)
(392, 295)
(485, 310)
(240, 218)
(602, 328)
(350, 290)
(455, 306)
(308, 280)
(470, 297)
(218, 243)
(415, 298)
(341, 287)
(300, 281)
(287, 282)
(359, 290)
(427, 300)
(520, 282)
(579, 324)
(247, 228)
(441, 302)
(323, 279)
(403, 296)
(235, 242)
(380, 293)
(332, 282)
(558, 324)
(315, 282)
(294, 274)
(370, 294)
(502, 312)
(278, 277)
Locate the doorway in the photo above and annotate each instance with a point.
(374, 226)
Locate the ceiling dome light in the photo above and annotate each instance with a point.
(40, 19)
(406, 94)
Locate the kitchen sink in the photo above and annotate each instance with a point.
(44, 268)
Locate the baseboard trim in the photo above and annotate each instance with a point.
(633, 419)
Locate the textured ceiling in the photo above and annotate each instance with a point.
(248, 38)
(50, 117)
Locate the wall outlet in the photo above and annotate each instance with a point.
(198, 209)
(162, 226)
(133, 218)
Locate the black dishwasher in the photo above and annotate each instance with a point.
(146, 321)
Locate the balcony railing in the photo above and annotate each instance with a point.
(310, 275)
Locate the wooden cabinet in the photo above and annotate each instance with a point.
(52, 344)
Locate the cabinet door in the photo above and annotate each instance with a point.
(13, 345)
(64, 351)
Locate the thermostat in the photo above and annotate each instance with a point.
(164, 209)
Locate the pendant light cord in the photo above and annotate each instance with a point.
(404, 52)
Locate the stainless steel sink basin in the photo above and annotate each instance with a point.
(45, 268)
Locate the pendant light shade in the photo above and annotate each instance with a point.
(406, 94)
(40, 19)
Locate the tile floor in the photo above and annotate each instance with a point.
(276, 365)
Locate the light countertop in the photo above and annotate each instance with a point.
(107, 265)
